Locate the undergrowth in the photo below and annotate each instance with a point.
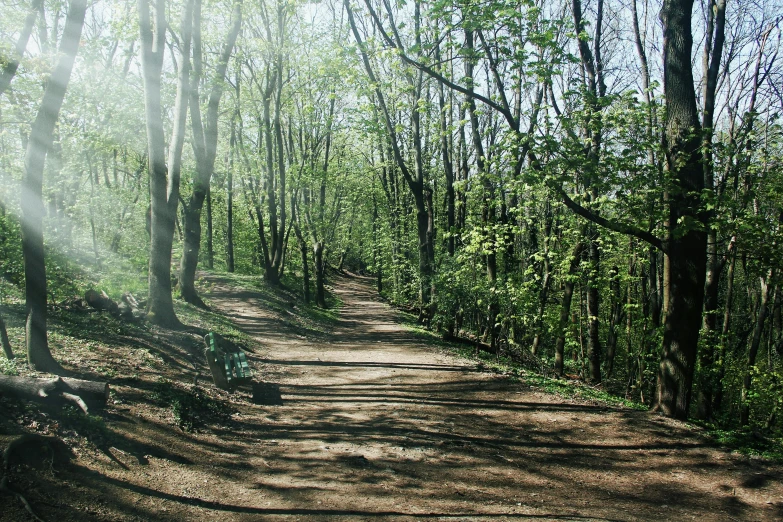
(8, 367)
(747, 441)
(505, 365)
(191, 407)
(91, 427)
(752, 442)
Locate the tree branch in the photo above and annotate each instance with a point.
(8, 69)
(381, 100)
(606, 223)
(437, 76)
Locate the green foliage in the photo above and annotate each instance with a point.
(191, 407)
(749, 442)
(579, 390)
(363, 209)
(66, 325)
(92, 427)
(11, 266)
(8, 367)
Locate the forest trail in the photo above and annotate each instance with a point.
(377, 423)
(372, 421)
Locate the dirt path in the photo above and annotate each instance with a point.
(374, 423)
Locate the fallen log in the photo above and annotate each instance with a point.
(129, 307)
(84, 394)
(101, 301)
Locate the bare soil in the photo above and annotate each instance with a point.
(375, 422)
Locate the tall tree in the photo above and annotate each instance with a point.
(416, 179)
(685, 242)
(713, 50)
(592, 66)
(40, 140)
(205, 140)
(164, 179)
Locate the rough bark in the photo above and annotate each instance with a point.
(593, 320)
(686, 241)
(717, 400)
(9, 352)
(271, 248)
(230, 200)
(713, 49)
(655, 297)
(546, 279)
(41, 136)
(302, 249)
(210, 243)
(616, 311)
(593, 68)
(317, 232)
(320, 269)
(305, 272)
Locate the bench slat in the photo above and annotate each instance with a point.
(227, 361)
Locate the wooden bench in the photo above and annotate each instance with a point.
(226, 361)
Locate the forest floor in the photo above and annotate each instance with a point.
(358, 417)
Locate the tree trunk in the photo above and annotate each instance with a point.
(164, 179)
(565, 307)
(41, 136)
(277, 261)
(9, 352)
(270, 269)
(488, 198)
(710, 341)
(204, 147)
(713, 49)
(593, 69)
(686, 242)
(767, 285)
(377, 261)
(9, 66)
(593, 322)
(629, 323)
(616, 310)
(305, 272)
(446, 157)
(230, 202)
(546, 278)
(717, 401)
(318, 259)
(210, 245)
(655, 295)
(190, 248)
